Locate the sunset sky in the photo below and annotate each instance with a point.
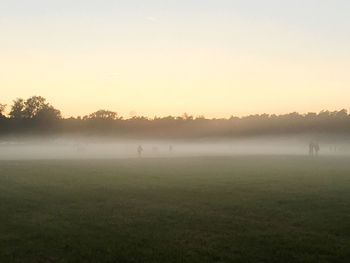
(205, 57)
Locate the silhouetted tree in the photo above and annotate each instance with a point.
(103, 115)
(48, 113)
(186, 117)
(17, 109)
(36, 115)
(35, 107)
(2, 110)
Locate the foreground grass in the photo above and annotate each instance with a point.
(240, 209)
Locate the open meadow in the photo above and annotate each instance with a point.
(204, 209)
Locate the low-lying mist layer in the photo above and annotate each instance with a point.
(97, 148)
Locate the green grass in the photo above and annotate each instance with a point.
(239, 209)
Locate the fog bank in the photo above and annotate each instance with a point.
(98, 148)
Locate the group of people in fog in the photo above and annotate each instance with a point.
(140, 150)
(314, 148)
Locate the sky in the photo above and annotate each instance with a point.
(165, 57)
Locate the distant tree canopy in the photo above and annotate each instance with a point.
(17, 109)
(36, 115)
(103, 115)
(35, 107)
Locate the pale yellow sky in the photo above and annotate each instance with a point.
(164, 60)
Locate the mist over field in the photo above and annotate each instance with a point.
(102, 148)
(174, 131)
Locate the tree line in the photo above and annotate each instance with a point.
(36, 116)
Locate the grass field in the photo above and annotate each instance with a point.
(239, 209)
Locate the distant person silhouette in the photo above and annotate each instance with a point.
(314, 148)
(311, 148)
(139, 151)
(170, 148)
(317, 148)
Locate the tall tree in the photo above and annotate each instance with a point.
(35, 107)
(17, 109)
